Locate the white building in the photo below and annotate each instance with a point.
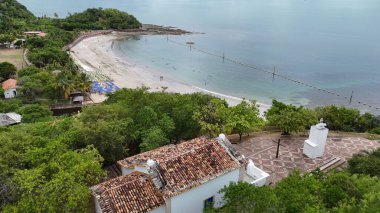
(9, 87)
(183, 178)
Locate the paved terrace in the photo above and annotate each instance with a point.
(262, 150)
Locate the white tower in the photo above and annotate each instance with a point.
(314, 147)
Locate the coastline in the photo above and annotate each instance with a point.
(96, 57)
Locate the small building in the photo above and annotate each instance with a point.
(35, 33)
(11, 118)
(10, 88)
(182, 178)
(77, 97)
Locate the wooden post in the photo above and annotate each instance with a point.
(352, 93)
(278, 147)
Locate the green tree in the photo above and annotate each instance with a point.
(298, 193)
(339, 118)
(365, 163)
(290, 118)
(244, 118)
(213, 117)
(244, 197)
(62, 184)
(27, 71)
(35, 113)
(10, 105)
(152, 139)
(7, 70)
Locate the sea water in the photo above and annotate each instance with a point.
(331, 44)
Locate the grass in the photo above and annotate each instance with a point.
(14, 56)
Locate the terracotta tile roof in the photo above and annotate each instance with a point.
(186, 165)
(135, 192)
(9, 84)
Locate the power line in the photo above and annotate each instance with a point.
(272, 73)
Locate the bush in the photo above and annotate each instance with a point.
(9, 105)
(7, 70)
(365, 163)
(375, 130)
(339, 118)
(35, 113)
(290, 118)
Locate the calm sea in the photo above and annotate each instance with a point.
(332, 44)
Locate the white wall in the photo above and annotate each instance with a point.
(161, 209)
(127, 171)
(192, 201)
(97, 206)
(10, 93)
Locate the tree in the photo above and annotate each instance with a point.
(37, 83)
(339, 118)
(7, 38)
(27, 71)
(297, 193)
(365, 163)
(10, 105)
(243, 197)
(7, 70)
(290, 118)
(152, 139)
(213, 117)
(60, 185)
(35, 113)
(244, 118)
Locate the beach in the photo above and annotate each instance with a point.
(97, 58)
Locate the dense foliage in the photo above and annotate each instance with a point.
(7, 70)
(40, 172)
(365, 163)
(98, 19)
(13, 15)
(337, 192)
(290, 118)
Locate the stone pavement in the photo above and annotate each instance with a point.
(263, 153)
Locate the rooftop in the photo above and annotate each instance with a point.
(7, 119)
(135, 192)
(9, 84)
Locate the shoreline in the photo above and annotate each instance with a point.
(95, 55)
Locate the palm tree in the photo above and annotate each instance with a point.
(83, 83)
(65, 84)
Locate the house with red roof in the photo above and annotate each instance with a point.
(9, 88)
(182, 178)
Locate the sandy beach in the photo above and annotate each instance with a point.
(96, 57)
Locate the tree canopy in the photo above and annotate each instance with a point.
(336, 192)
(290, 118)
(7, 70)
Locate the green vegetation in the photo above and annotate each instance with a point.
(7, 70)
(366, 163)
(129, 122)
(337, 192)
(38, 170)
(290, 118)
(98, 19)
